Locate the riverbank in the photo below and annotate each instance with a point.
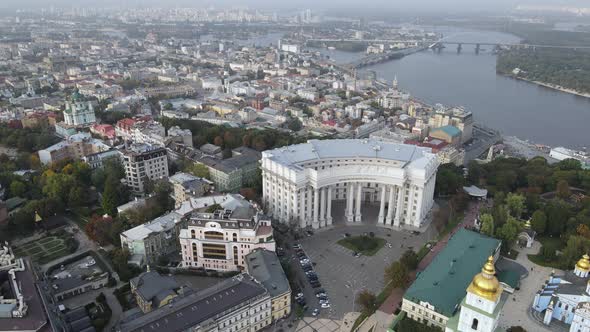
(551, 86)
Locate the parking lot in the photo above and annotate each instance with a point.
(341, 274)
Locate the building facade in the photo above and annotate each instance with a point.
(185, 186)
(265, 267)
(79, 112)
(221, 240)
(301, 181)
(144, 161)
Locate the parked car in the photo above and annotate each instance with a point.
(315, 312)
(325, 305)
(321, 290)
(319, 295)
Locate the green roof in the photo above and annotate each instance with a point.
(444, 282)
(509, 277)
(449, 130)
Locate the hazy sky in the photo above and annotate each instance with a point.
(427, 5)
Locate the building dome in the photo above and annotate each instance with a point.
(583, 264)
(485, 284)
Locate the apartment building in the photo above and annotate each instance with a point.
(144, 161)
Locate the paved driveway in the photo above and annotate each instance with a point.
(342, 275)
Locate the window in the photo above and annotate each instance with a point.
(474, 324)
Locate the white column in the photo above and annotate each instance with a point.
(419, 207)
(288, 209)
(349, 203)
(410, 209)
(302, 208)
(359, 193)
(316, 198)
(400, 205)
(381, 219)
(390, 208)
(329, 211)
(309, 206)
(323, 207)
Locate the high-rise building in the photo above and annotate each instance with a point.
(144, 161)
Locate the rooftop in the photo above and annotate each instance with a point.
(160, 224)
(444, 282)
(449, 130)
(151, 285)
(188, 311)
(347, 148)
(264, 266)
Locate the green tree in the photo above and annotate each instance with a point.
(515, 203)
(539, 222)
(397, 274)
(198, 169)
(508, 233)
(487, 224)
(109, 197)
(563, 189)
(576, 247)
(449, 179)
(410, 259)
(367, 301)
(558, 214)
(17, 188)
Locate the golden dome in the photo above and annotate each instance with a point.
(584, 263)
(485, 284)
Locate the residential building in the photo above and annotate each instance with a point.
(233, 173)
(152, 290)
(264, 266)
(221, 240)
(236, 304)
(185, 186)
(76, 147)
(144, 161)
(455, 116)
(437, 293)
(158, 237)
(301, 181)
(449, 134)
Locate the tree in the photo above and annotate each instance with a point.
(487, 224)
(98, 229)
(410, 259)
(576, 247)
(508, 233)
(449, 179)
(198, 169)
(548, 252)
(367, 301)
(213, 208)
(109, 197)
(539, 222)
(397, 274)
(294, 124)
(563, 189)
(218, 140)
(515, 203)
(17, 188)
(558, 214)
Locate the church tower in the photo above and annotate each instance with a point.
(582, 267)
(395, 86)
(479, 309)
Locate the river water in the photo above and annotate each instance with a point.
(513, 107)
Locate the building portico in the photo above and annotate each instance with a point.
(301, 182)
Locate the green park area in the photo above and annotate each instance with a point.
(48, 248)
(366, 245)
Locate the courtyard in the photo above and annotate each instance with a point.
(342, 274)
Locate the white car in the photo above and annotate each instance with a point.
(325, 305)
(389, 245)
(315, 312)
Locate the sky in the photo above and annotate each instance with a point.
(426, 5)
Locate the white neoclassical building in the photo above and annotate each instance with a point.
(300, 182)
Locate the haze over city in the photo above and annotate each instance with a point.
(294, 166)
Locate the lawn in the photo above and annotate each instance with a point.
(538, 259)
(366, 245)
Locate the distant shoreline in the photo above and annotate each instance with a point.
(551, 86)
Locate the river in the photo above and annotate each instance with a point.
(514, 107)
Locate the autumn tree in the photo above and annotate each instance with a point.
(367, 301)
(397, 274)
